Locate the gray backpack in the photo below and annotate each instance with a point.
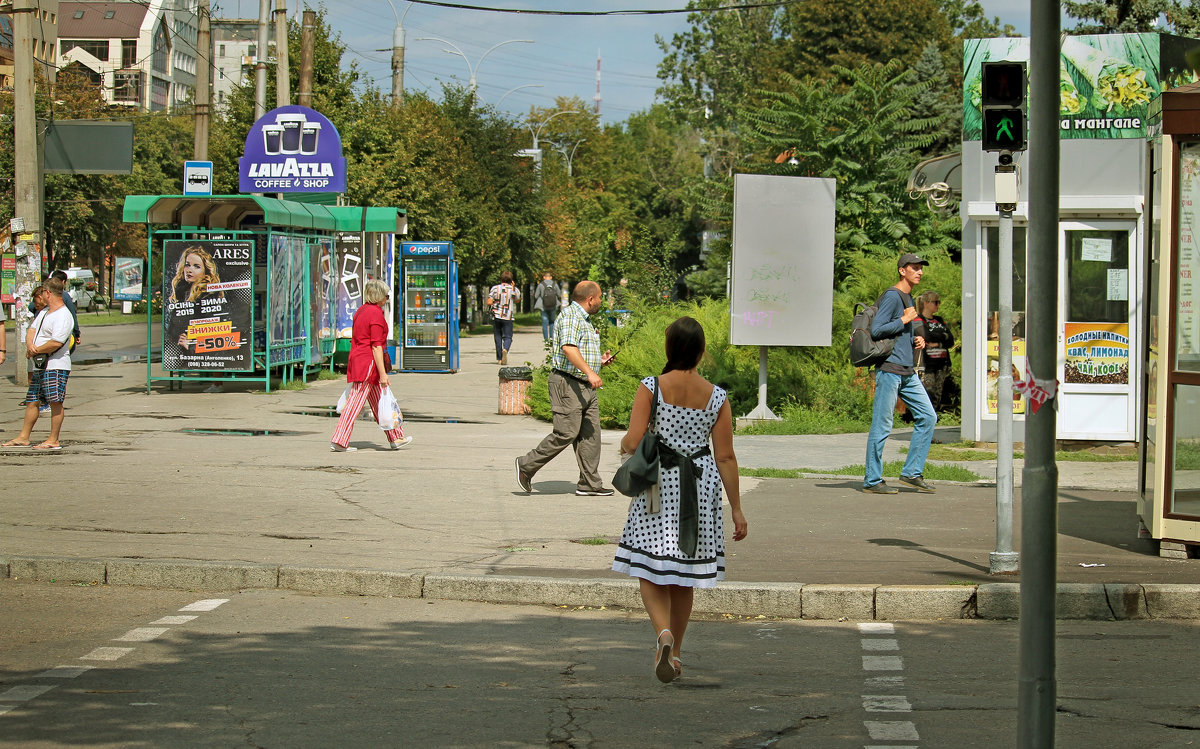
(549, 297)
(865, 351)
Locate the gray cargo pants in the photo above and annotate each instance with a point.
(576, 424)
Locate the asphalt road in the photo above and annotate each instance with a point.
(280, 669)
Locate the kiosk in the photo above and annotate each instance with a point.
(1107, 84)
(1169, 477)
(250, 285)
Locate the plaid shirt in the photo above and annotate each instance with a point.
(573, 329)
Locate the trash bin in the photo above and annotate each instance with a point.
(514, 388)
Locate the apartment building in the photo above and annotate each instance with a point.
(235, 54)
(45, 36)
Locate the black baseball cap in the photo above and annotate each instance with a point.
(910, 259)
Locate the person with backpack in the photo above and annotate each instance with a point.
(896, 376)
(545, 300)
(502, 299)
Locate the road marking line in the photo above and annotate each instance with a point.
(5, 708)
(882, 663)
(63, 672)
(142, 634)
(106, 654)
(877, 628)
(892, 730)
(174, 620)
(885, 681)
(879, 645)
(886, 703)
(208, 604)
(25, 692)
(888, 746)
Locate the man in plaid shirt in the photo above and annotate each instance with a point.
(573, 383)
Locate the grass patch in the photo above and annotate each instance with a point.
(325, 374)
(114, 318)
(808, 421)
(963, 452)
(891, 469)
(594, 541)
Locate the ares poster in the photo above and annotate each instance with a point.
(207, 294)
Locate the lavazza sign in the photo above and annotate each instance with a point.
(292, 149)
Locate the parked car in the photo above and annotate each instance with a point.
(81, 285)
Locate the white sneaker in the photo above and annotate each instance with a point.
(333, 446)
(402, 443)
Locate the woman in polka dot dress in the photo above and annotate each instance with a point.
(670, 548)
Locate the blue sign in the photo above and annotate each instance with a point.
(292, 149)
(425, 249)
(197, 178)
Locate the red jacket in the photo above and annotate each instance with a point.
(370, 329)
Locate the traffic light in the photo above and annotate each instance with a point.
(1003, 104)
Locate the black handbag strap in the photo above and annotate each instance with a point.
(653, 423)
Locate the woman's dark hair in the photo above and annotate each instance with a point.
(506, 277)
(684, 344)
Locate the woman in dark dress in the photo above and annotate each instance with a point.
(938, 341)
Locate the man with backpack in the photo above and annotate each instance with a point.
(897, 376)
(545, 300)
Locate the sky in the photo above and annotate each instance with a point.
(561, 61)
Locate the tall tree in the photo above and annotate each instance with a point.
(824, 33)
(1117, 16)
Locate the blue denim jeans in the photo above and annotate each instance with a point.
(548, 319)
(912, 392)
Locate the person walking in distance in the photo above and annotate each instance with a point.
(503, 299)
(897, 376)
(573, 382)
(48, 350)
(545, 298)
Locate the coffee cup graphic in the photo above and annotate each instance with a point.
(291, 124)
(272, 139)
(310, 133)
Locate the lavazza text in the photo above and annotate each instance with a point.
(291, 173)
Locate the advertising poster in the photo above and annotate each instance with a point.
(8, 277)
(127, 279)
(993, 375)
(321, 257)
(1187, 320)
(1097, 353)
(207, 296)
(350, 277)
(287, 289)
(292, 149)
(1106, 81)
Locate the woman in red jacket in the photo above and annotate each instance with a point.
(367, 368)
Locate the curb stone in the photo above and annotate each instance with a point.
(1095, 601)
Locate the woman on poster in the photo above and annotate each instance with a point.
(189, 288)
(367, 368)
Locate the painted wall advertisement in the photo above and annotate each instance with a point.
(127, 279)
(8, 277)
(1097, 353)
(993, 375)
(207, 298)
(1106, 81)
(292, 149)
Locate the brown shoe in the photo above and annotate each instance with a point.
(504, 358)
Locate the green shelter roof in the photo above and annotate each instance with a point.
(229, 211)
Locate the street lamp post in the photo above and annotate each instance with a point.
(517, 88)
(398, 55)
(471, 69)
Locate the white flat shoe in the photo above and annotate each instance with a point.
(402, 443)
(663, 668)
(334, 447)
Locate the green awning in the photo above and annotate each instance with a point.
(229, 211)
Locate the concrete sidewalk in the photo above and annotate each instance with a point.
(239, 489)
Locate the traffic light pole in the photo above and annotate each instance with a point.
(1004, 560)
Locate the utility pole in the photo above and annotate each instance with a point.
(203, 100)
(308, 32)
(398, 55)
(1037, 690)
(260, 66)
(27, 169)
(283, 74)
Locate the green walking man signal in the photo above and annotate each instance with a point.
(1003, 87)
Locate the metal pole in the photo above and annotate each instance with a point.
(260, 65)
(203, 98)
(1039, 510)
(1004, 559)
(283, 73)
(308, 32)
(398, 64)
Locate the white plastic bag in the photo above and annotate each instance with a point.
(341, 404)
(388, 411)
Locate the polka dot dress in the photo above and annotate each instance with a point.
(649, 547)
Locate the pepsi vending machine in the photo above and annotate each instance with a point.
(429, 308)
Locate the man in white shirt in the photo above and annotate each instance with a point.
(47, 339)
(3, 337)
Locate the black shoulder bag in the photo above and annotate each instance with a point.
(639, 472)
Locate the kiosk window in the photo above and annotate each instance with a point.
(992, 237)
(1186, 480)
(1098, 276)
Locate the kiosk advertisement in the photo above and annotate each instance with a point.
(127, 279)
(207, 293)
(1097, 353)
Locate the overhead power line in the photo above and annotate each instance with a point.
(643, 12)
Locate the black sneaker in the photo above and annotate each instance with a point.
(881, 488)
(918, 483)
(603, 491)
(523, 479)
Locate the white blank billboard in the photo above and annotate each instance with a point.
(782, 285)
